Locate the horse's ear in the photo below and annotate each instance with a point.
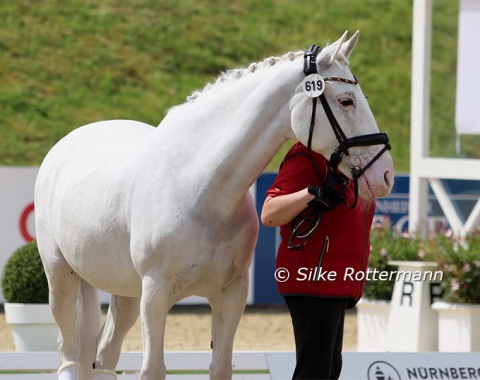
(348, 46)
(330, 53)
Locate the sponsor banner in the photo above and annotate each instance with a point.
(410, 366)
(464, 194)
(390, 366)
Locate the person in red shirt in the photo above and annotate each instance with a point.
(322, 258)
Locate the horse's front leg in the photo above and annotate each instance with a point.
(122, 314)
(154, 306)
(227, 309)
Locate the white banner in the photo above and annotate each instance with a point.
(467, 118)
(17, 223)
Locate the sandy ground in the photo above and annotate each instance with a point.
(188, 329)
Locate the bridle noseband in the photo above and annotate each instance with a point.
(344, 143)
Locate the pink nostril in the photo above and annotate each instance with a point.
(386, 177)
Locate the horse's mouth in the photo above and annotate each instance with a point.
(366, 192)
(371, 191)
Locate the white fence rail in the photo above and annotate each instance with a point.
(255, 365)
(181, 365)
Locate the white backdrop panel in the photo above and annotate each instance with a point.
(467, 117)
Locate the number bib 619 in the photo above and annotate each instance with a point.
(313, 85)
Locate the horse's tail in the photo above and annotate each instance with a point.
(88, 327)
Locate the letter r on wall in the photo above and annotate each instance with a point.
(407, 290)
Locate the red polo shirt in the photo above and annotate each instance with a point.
(334, 261)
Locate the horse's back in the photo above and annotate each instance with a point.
(104, 137)
(94, 150)
(82, 195)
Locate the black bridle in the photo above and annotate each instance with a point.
(307, 222)
(344, 143)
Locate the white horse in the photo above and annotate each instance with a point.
(153, 215)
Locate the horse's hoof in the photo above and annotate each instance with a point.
(69, 371)
(104, 374)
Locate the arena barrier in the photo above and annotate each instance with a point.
(257, 365)
(181, 365)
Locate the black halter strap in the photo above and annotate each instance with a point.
(310, 60)
(310, 67)
(344, 143)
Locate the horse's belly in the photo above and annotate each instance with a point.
(106, 265)
(92, 233)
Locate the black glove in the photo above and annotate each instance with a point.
(324, 197)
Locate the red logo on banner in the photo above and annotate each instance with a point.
(23, 223)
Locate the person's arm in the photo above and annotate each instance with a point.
(281, 209)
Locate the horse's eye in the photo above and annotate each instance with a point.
(345, 102)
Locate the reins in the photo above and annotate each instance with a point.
(306, 223)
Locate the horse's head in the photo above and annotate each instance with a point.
(331, 115)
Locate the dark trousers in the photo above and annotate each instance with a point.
(318, 329)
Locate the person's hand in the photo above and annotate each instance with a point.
(324, 197)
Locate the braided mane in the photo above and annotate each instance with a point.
(242, 71)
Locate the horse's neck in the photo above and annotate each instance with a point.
(233, 136)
